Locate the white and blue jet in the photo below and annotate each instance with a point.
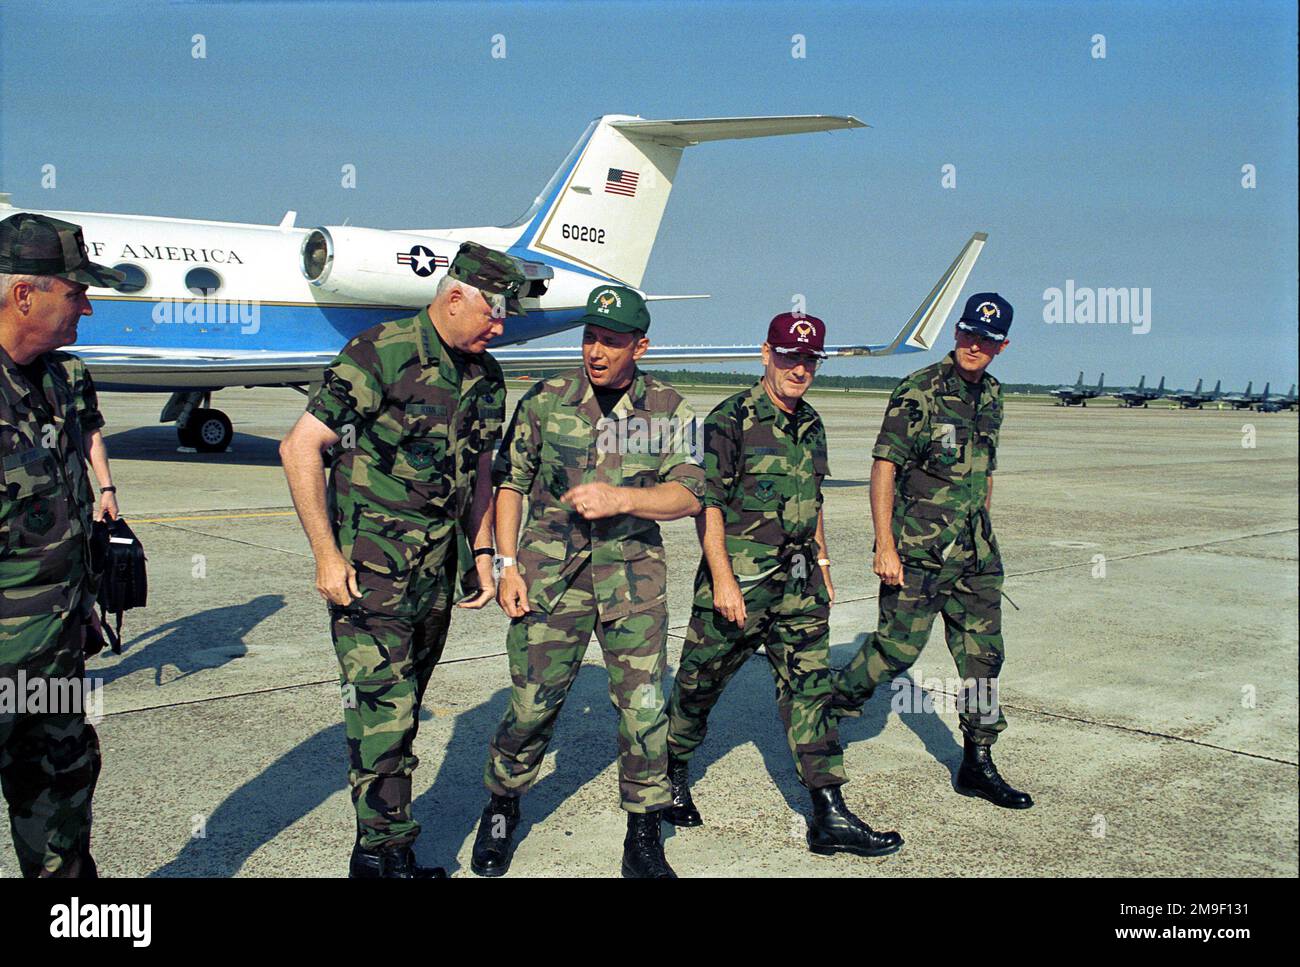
(211, 305)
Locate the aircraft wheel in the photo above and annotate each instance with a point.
(209, 431)
(1144, 406)
(1084, 403)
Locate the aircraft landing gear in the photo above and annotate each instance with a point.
(198, 427)
(208, 431)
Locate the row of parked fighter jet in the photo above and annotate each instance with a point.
(1141, 395)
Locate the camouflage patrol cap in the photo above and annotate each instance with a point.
(618, 308)
(490, 271)
(39, 245)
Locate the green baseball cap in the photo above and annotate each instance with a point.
(491, 271)
(40, 245)
(618, 308)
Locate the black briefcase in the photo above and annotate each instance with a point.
(118, 557)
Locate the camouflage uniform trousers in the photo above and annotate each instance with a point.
(49, 762)
(385, 663)
(790, 618)
(970, 600)
(545, 652)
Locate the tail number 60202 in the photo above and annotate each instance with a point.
(583, 233)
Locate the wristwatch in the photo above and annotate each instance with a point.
(823, 562)
(500, 563)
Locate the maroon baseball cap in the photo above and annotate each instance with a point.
(789, 334)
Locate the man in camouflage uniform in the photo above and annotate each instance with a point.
(602, 453)
(92, 429)
(49, 760)
(935, 550)
(764, 581)
(412, 408)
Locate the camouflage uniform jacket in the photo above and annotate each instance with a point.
(764, 469)
(46, 502)
(945, 447)
(558, 438)
(413, 417)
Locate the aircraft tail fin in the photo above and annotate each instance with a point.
(919, 333)
(1101, 383)
(1264, 396)
(602, 208)
(1079, 382)
(1215, 391)
(1161, 387)
(1142, 383)
(1198, 386)
(1249, 384)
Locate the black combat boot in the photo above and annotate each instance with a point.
(978, 776)
(682, 813)
(396, 863)
(87, 869)
(496, 832)
(643, 851)
(833, 829)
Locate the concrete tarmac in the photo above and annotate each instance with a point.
(1150, 682)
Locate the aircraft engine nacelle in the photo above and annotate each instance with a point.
(369, 264)
(389, 268)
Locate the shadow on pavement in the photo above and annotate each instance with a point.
(305, 776)
(935, 734)
(198, 642)
(585, 744)
(747, 713)
(261, 809)
(159, 443)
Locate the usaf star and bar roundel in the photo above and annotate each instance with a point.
(422, 260)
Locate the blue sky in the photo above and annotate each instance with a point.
(1123, 171)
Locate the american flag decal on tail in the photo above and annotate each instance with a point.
(621, 182)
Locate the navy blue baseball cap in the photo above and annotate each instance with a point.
(987, 314)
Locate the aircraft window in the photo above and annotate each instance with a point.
(202, 281)
(136, 278)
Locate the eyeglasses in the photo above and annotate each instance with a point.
(791, 360)
(988, 343)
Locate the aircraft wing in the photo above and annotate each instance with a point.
(691, 131)
(132, 368)
(523, 360)
(918, 334)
